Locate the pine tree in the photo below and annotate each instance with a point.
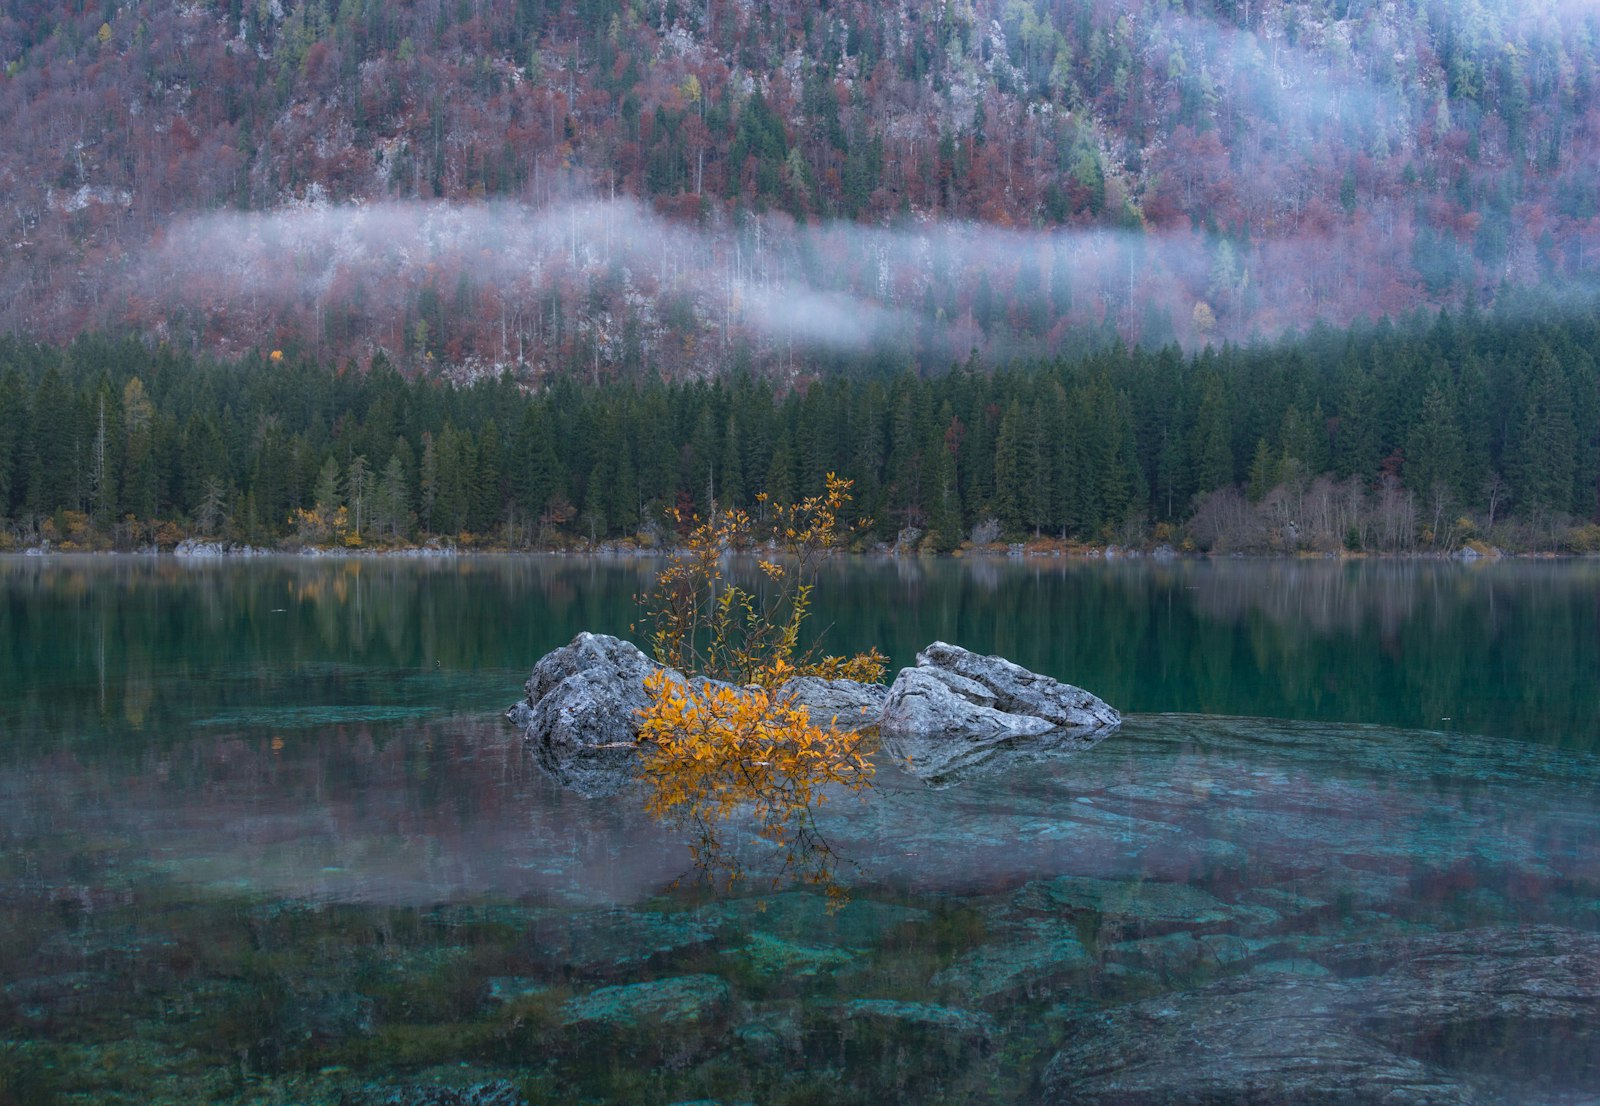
(1544, 458)
(139, 475)
(487, 491)
(428, 482)
(1212, 447)
(326, 497)
(13, 431)
(1435, 449)
(358, 491)
(1008, 474)
(1265, 470)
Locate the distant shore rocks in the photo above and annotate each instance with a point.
(583, 701)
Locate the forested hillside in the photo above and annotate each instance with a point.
(1421, 436)
(677, 187)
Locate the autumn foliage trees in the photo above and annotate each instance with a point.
(1266, 163)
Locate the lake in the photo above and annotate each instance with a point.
(267, 839)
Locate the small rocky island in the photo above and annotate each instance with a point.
(581, 710)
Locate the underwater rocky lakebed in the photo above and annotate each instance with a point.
(266, 839)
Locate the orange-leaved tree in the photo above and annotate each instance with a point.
(716, 749)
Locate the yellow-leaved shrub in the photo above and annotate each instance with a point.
(716, 749)
(713, 750)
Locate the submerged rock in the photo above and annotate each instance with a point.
(813, 919)
(1142, 907)
(1040, 959)
(772, 956)
(609, 942)
(497, 1092)
(939, 761)
(923, 1019)
(688, 998)
(1483, 1016)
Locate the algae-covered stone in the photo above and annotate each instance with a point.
(688, 998)
(498, 1092)
(773, 956)
(603, 942)
(1139, 906)
(319, 1013)
(505, 989)
(1183, 954)
(771, 1035)
(924, 1018)
(1041, 960)
(816, 920)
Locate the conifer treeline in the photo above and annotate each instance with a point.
(1381, 436)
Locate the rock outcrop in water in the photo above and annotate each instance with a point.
(1018, 692)
(851, 705)
(581, 711)
(956, 709)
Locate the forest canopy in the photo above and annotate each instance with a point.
(1423, 434)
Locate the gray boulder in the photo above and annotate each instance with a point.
(581, 712)
(849, 704)
(981, 699)
(1015, 690)
(952, 712)
(929, 701)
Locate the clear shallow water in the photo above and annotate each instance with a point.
(265, 838)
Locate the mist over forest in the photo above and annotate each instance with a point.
(642, 188)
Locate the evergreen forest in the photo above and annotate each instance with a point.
(1432, 434)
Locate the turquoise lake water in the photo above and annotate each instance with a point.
(264, 837)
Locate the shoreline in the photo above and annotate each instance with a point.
(202, 552)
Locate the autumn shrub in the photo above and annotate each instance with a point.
(1582, 539)
(717, 749)
(723, 737)
(702, 623)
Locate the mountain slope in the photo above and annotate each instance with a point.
(607, 186)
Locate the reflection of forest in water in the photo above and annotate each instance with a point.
(106, 652)
(1511, 649)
